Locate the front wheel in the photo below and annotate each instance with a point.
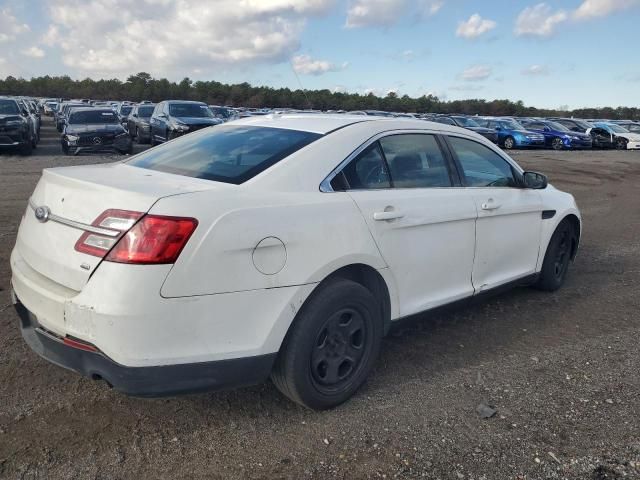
(557, 144)
(621, 144)
(556, 260)
(509, 143)
(331, 346)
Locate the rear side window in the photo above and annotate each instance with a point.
(415, 161)
(481, 166)
(230, 154)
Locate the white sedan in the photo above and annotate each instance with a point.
(282, 246)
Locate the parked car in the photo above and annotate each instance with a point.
(558, 136)
(511, 134)
(33, 118)
(633, 127)
(138, 122)
(62, 115)
(173, 118)
(279, 245)
(610, 135)
(469, 124)
(50, 107)
(94, 129)
(123, 111)
(16, 130)
(573, 124)
(222, 113)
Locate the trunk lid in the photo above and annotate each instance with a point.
(81, 194)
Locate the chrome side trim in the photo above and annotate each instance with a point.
(325, 185)
(107, 232)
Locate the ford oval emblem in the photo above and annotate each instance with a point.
(42, 214)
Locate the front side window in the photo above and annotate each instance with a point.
(415, 161)
(229, 154)
(481, 166)
(367, 171)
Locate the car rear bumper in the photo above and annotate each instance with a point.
(152, 381)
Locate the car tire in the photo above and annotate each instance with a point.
(152, 140)
(509, 143)
(557, 144)
(621, 143)
(27, 148)
(331, 346)
(557, 258)
(65, 149)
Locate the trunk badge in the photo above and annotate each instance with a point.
(42, 214)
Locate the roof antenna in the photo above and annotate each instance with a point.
(301, 87)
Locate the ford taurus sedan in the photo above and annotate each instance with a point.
(280, 246)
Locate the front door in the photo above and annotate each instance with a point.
(509, 217)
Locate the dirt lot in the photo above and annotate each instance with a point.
(562, 369)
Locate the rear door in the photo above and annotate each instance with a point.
(422, 223)
(509, 221)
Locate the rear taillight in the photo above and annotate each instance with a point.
(154, 239)
(114, 224)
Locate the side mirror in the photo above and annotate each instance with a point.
(547, 129)
(576, 129)
(135, 115)
(162, 115)
(498, 128)
(25, 113)
(534, 180)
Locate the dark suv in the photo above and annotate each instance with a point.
(138, 122)
(15, 126)
(173, 118)
(93, 129)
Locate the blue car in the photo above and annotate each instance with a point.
(511, 134)
(558, 136)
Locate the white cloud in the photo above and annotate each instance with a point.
(368, 13)
(10, 26)
(164, 36)
(306, 65)
(476, 73)
(536, 70)
(600, 8)
(33, 52)
(427, 8)
(539, 21)
(384, 13)
(475, 26)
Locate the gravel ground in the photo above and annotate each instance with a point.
(562, 370)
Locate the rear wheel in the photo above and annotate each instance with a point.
(557, 144)
(557, 259)
(331, 346)
(509, 143)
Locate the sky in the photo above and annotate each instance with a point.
(563, 53)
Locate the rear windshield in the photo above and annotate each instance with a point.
(93, 116)
(8, 107)
(189, 110)
(229, 154)
(125, 110)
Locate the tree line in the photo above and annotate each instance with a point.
(142, 86)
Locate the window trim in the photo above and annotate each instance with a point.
(515, 168)
(325, 185)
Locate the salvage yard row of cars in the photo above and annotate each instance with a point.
(96, 126)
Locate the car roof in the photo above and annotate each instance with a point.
(185, 101)
(325, 123)
(92, 109)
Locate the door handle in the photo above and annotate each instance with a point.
(490, 205)
(387, 215)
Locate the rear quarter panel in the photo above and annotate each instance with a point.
(320, 232)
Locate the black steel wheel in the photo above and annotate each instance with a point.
(331, 346)
(558, 256)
